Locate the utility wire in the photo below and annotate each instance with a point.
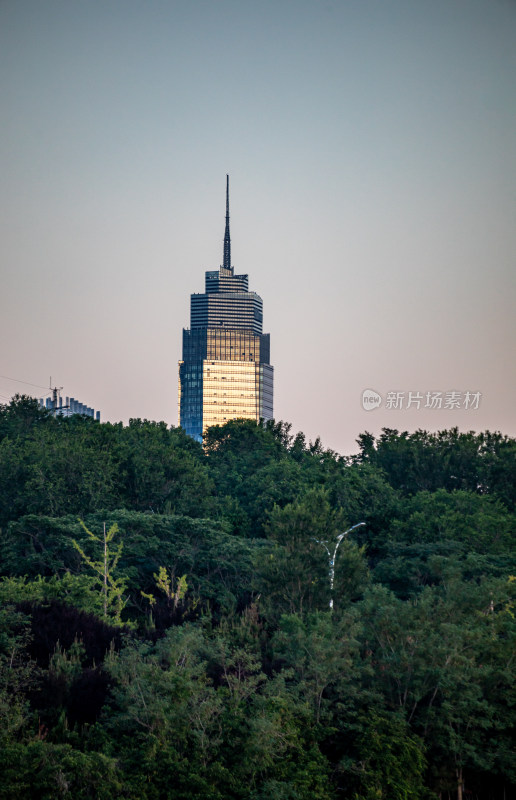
(26, 382)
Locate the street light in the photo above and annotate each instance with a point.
(331, 558)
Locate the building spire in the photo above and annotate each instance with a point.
(227, 240)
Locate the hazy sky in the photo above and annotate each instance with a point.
(371, 148)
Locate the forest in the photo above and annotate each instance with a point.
(170, 630)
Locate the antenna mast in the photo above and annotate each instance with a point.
(227, 240)
(57, 403)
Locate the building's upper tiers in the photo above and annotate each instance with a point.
(226, 304)
(223, 280)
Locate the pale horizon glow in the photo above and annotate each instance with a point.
(371, 149)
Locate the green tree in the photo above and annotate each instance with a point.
(292, 570)
(21, 416)
(112, 589)
(319, 650)
(391, 759)
(450, 460)
(434, 659)
(162, 470)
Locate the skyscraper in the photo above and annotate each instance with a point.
(225, 371)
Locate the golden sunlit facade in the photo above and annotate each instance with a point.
(234, 389)
(225, 371)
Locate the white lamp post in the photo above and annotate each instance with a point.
(331, 558)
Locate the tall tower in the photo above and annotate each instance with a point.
(225, 371)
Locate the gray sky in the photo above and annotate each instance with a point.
(371, 147)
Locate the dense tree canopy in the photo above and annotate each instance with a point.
(165, 620)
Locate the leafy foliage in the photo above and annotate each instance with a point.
(226, 676)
